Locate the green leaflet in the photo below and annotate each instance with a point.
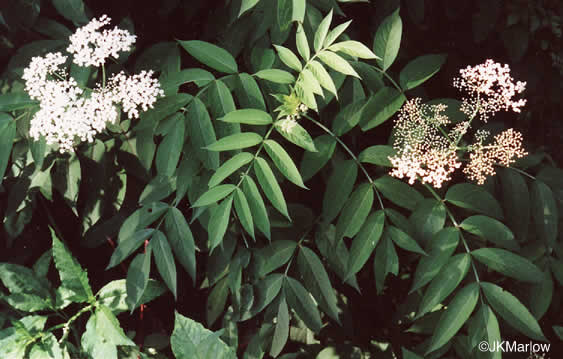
(302, 43)
(427, 219)
(243, 212)
(211, 55)
(439, 252)
(270, 185)
(316, 279)
(190, 340)
(7, 135)
(544, 212)
(281, 331)
(512, 310)
(398, 192)
(509, 264)
(297, 135)
(453, 318)
(129, 245)
(355, 211)
(473, 197)
(340, 185)
(388, 40)
(103, 334)
(236, 142)
(288, 58)
(404, 241)
(219, 222)
(299, 299)
(248, 93)
(137, 278)
(214, 195)
(216, 301)
(276, 75)
(256, 204)
(247, 5)
(337, 63)
(283, 162)
(322, 76)
(322, 31)
(335, 33)
(312, 162)
(516, 201)
(229, 167)
(419, 70)
(248, 116)
(273, 256)
(445, 282)
(169, 150)
(353, 48)
(365, 242)
(381, 107)
(181, 240)
(385, 261)
(73, 277)
(164, 260)
(491, 230)
(202, 133)
(114, 294)
(378, 155)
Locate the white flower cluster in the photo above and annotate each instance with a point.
(67, 112)
(91, 47)
(134, 91)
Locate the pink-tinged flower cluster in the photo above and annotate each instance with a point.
(490, 88)
(423, 151)
(91, 47)
(504, 151)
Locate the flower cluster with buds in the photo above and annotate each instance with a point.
(426, 150)
(287, 123)
(490, 88)
(67, 112)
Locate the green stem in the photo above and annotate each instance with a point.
(389, 78)
(455, 223)
(347, 149)
(103, 76)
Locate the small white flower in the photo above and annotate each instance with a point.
(91, 47)
(287, 124)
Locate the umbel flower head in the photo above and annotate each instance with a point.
(68, 113)
(427, 151)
